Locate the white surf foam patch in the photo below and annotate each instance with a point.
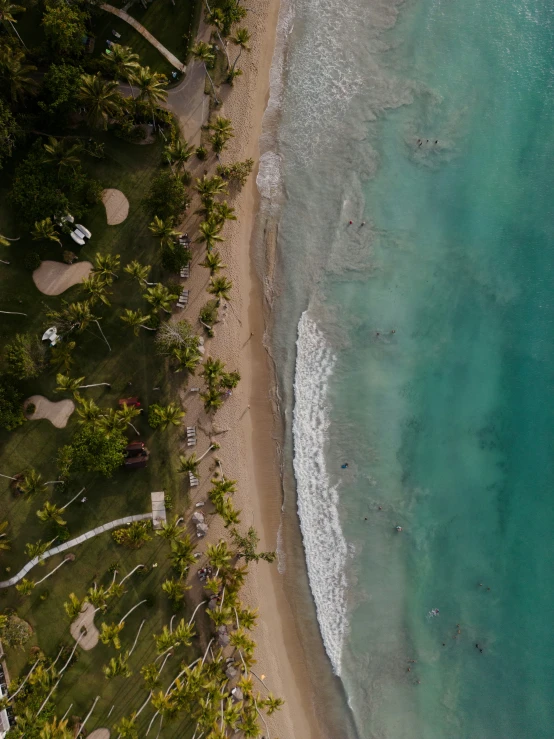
(324, 543)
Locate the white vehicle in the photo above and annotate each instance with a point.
(86, 233)
(77, 237)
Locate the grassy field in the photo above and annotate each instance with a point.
(132, 368)
(174, 25)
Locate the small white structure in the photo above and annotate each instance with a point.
(77, 237)
(86, 233)
(197, 517)
(51, 335)
(159, 515)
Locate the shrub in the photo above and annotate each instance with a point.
(32, 261)
(24, 357)
(11, 408)
(92, 451)
(168, 502)
(133, 536)
(202, 153)
(16, 631)
(237, 172)
(155, 419)
(209, 315)
(167, 196)
(175, 257)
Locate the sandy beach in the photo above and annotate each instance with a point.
(246, 427)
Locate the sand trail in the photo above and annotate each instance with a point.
(54, 278)
(57, 412)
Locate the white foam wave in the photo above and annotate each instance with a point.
(324, 543)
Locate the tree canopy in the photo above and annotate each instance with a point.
(91, 450)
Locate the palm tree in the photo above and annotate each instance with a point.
(67, 384)
(106, 266)
(189, 464)
(209, 187)
(73, 606)
(110, 634)
(165, 230)
(184, 632)
(151, 89)
(51, 513)
(89, 412)
(4, 543)
(188, 358)
(219, 555)
(228, 513)
(4, 240)
(170, 529)
(182, 555)
(203, 53)
(139, 272)
(7, 12)
(96, 287)
(45, 231)
(55, 729)
(25, 587)
(272, 704)
(37, 549)
(170, 414)
(117, 666)
(212, 400)
(159, 297)
(62, 355)
(212, 261)
(97, 596)
(31, 483)
(135, 320)
(110, 422)
(123, 63)
(60, 154)
(220, 287)
(240, 39)
(126, 728)
(101, 98)
(178, 153)
(209, 233)
(16, 74)
(224, 212)
(212, 371)
(127, 413)
(174, 590)
(222, 132)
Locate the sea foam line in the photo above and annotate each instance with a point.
(324, 544)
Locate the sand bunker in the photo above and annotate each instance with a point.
(86, 619)
(100, 734)
(57, 413)
(117, 206)
(53, 278)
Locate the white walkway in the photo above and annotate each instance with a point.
(71, 543)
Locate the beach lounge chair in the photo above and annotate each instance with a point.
(77, 237)
(193, 480)
(86, 233)
(116, 34)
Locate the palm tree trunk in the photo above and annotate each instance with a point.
(134, 428)
(98, 324)
(107, 384)
(181, 674)
(162, 718)
(68, 710)
(152, 721)
(17, 34)
(24, 681)
(212, 83)
(194, 614)
(8, 477)
(88, 714)
(142, 325)
(72, 499)
(8, 239)
(57, 658)
(12, 313)
(206, 652)
(263, 719)
(132, 609)
(51, 572)
(61, 673)
(141, 709)
(136, 637)
(4, 261)
(236, 60)
(209, 449)
(130, 573)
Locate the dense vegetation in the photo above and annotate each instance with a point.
(69, 125)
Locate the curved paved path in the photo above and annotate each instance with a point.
(171, 58)
(71, 543)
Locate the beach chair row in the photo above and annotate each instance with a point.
(191, 435)
(185, 272)
(183, 299)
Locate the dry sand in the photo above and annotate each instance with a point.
(248, 451)
(116, 204)
(54, 278)
(100, 734)
(57, 412)
(86, 619)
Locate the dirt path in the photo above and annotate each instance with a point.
(57, 413)
(116, 204)
(53, 278)
(171, 58)
(86, 619)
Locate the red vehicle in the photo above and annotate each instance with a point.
(131, 402)
(136, 449)
(136, 462)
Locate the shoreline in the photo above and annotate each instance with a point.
(249, 452)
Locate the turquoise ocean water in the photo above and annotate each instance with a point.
(419, 349)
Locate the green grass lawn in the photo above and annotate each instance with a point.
(129, 168)
(174, 25)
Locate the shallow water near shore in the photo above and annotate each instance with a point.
(418, 348)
